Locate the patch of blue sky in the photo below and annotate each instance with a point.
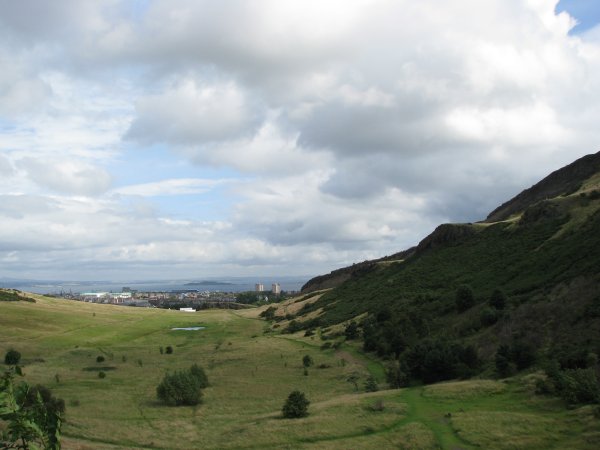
(586, 12)
(155, 164)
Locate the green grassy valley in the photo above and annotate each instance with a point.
(251, 373)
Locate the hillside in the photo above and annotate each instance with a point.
(251, 372)
(541, 250)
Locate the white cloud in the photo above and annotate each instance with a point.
(64, 176)
(357, 127)
(180, 186)
(191, 113)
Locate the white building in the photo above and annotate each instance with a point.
(259, 287)
(276, 288)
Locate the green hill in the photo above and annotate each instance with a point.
(540, 249)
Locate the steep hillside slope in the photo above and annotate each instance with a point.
(544, 257)
(564, 181)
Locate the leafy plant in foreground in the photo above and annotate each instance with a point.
(32, 415)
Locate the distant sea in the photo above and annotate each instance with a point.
(225, 284)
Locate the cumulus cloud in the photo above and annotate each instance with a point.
(191, 113)
(70, 177)
(342, 129)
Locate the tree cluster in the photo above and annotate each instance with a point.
(182, 388)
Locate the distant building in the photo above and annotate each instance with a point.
(276, 288)
(259, 287)
(187, 309)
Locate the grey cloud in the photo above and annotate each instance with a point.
(20, 206)
(192, 113)
(6, 168)
(71, 177)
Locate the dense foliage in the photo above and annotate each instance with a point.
(12, 357)
(295, 406)
(491, 290)
(32, 416)
(183, 388)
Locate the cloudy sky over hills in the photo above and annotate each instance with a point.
(178, 139)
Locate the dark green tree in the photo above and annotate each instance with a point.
(269, 313)
(307, 361)
(200, 375)
(498, 299)
(396, 376)
(465, 298)
(503, 361)
(371, 384)
(295, 406)
(351, 331)
(182, 388)
(12, 357)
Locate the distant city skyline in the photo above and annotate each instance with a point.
(156, 139)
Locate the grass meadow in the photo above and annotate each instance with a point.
(251, 372)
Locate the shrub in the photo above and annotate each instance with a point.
(396, 376)
(307, 361)
(498, 299)
(465, 298)
(488, 317)
(351, 331)
(101, 374)
(33, 415)
(100, 359)
(200, 375)
(182, 387)
(295, 406)
(12, 357)
(371, 384)
(169, 350)
(580, 386)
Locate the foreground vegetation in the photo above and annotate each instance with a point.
(252, 373)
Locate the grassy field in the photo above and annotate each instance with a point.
(251, 373)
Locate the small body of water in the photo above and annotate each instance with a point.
(189, 328)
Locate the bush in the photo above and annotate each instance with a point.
(169, 350)
(100, 359)
(182, 387)
(396, 376)
(465, 298)
(580, 386)
(200, 375)
(295, 406)
(498, 299)
(371, 384)
(12, 357)
(307, 361)
(351, 331)
(488, 317)
(101, 374)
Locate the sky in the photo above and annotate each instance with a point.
(193, 139)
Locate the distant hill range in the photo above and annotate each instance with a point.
(539, 253)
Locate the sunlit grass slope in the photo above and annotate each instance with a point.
(251, 373)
